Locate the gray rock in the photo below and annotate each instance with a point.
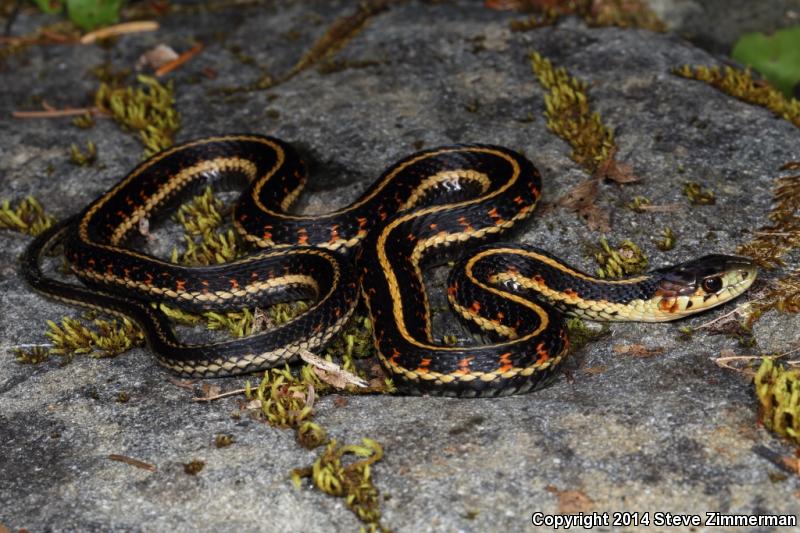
(668, 433)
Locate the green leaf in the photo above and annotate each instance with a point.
(776, 56)
(90, 14)
(50, 6)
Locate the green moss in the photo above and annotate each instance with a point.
(84, 121)
(667, 240)
(27, 216)
(194, 467)
(32, 356)
(569, 116)
(352, 481)
(148, 109)
(83, 159)
(740, 84)
(782, 236)
(697, 195)
(621, 13)
(778, 392)
(625, 260)
(223, 440)
(107, 338)
(638, 204)
(580, 335)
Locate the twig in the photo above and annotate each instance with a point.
(218, 396)
(168, 67)
(57, 113)
(133, 462)
(119, 29)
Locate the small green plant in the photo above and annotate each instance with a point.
(83, 159)
(148, 109)
(778, 392)
(88, 14)
(27, 216)
(697, 195)
(624, 260)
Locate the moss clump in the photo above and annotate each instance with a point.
(639, 203)
(697, 195)
(580, 335)
(148, 109)
(108, 338)
(83, 159)
(740, 84)
(778, 392)
(667, 240)
(774, 241)
(351, 481)
(569, 117)
(622, 13)
(32, 356)
(194, 467)
(27, 216)
(625, 260)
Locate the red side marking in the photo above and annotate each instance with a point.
(334, 233)
(362, 226)
(465, 223)
(110, 270)
(505, 363)
(395, 355)
(149, 279)
(463, 365)
(493, 213)
(411, 237)
(541, 351)
(180, 285)
(433, 226)
(539, 280)
(204, 283)
(302, 236)
(91, 262)
(670, 305)
(383, 215)
(127, 272)
(500, 316)
(267, 234)
(452, 290)
(519, 200)
(476, 307)
(570, 292)
(234, 284)
(423, 366)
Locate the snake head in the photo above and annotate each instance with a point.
(704, 283)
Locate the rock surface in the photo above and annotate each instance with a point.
(670, 433)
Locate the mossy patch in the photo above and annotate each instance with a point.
(778, 392)
(27, 216)
(741, 84)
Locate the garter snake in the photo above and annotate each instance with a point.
(431, 201)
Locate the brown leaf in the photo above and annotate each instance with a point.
(597, 218)
(210, 390)
(182, 383)
(583, 194)
(571, 501)
(791, 165)
(637, 350)
(621, 172)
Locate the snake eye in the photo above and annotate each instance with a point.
(712, 285)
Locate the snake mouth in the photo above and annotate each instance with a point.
(703, 283)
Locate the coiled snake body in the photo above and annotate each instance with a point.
(432, 201)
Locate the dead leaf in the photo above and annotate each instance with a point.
(331, 373)
(571, 501)
(638, 350)
(584, 193)
(597, 218)
(791, 165)
(210, 390)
